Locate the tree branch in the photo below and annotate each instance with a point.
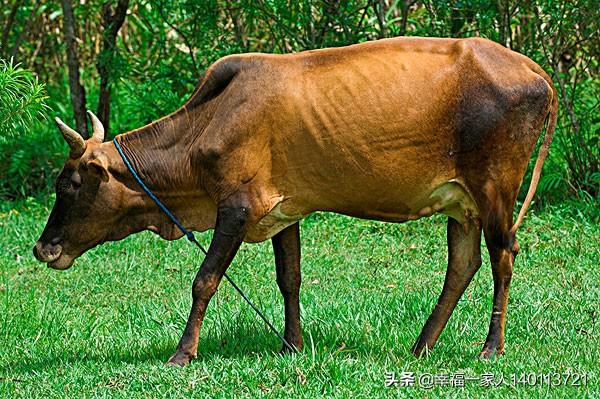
(77, 90)
(111, 22)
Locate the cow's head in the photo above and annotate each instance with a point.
(87, 200)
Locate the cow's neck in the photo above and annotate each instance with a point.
(159, 152)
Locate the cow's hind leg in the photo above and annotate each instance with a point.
(286, 246)
(464, 259)
(503, 248)
(230, 230)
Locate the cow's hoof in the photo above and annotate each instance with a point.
(180, 359)
(489, 353)
(295, 340)
(421, 349)
(286, 351)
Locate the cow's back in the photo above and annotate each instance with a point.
(377, 129)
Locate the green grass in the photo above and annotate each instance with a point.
(105, 327)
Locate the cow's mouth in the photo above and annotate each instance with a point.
(63, 262)
(53, 255)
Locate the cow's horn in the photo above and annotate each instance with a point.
(74, 139)
(97, 127)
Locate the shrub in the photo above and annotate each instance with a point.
(22, 98)
(27, 152)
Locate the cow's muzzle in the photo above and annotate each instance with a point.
(53, 255)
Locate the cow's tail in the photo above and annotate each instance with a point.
(542, 154)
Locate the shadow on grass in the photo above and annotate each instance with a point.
(224, 346)
(26, 365)
(230, 344)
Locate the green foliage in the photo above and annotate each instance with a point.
(165, 45)
(151, 98)
(569, 46)
(22, 99)
(30, 161)
(578, 146)
(27, 154)
(29, 165)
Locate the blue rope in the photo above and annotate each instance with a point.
(190, 236)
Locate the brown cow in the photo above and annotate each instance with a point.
(391, 130)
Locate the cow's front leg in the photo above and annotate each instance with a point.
(230, 229)
(286, 246)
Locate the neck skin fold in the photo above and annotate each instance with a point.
(160, 154)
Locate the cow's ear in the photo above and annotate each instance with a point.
(99, 166)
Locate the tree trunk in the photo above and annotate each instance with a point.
(111, 22)
(379, 7)
(404, 9)
(26, 29)
(77, 90)
(8, 26)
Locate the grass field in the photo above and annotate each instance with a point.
(105, 327)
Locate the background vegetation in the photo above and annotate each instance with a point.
(134, 61)
(104, 328)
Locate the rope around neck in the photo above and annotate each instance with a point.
(190, 236)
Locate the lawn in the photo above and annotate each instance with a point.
(105, 327)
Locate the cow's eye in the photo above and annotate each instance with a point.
(76, 181)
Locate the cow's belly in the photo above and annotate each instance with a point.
(271, 224)
(450, 198)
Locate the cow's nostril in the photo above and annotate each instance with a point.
(55, 241)
(46, 252)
